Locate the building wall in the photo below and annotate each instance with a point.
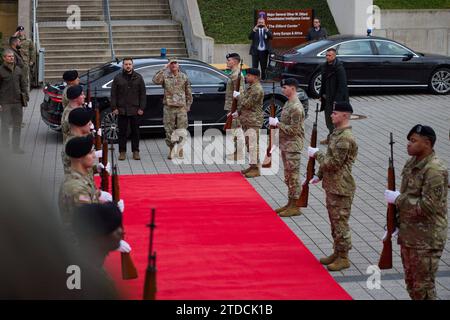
(8, 18)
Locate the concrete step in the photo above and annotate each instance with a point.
(49, 47)
(165, 44)
(88, 52)
(74, 57)
(140, 16)
(138, 52)
(64, 18)
(138, 2)
(160, 28)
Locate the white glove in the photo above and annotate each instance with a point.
(235, 115)
(394, 234)
(105, 196)
(89, 105)
(99, 154)
(101, 167)
(315, 180)
(236, 94)
(273, 121)
(390, 196)
(92, 127)
(124, 247)
(312, 151)
(121, 205)
(98, 132)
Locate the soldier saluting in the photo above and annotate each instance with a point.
(251, 117)
(422, 213)
(336, 172)
(177, 102)
(292, 135)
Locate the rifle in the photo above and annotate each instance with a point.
(128, 268)
(104, 160)
(386, 255)
(267, 163)
(98, 138)
(150, 273)
(235, 100)
(88, 90)
(310, 169)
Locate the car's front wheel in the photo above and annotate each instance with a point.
(109, 125)
(440, 81)
(315, 84)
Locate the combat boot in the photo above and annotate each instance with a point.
(254, 172)
(329, 260)
(291, 210)
(180, 154)
(136, 155)
(122, 156)
(282, 208)
(171, 153)
(246, 170)
(340, 263)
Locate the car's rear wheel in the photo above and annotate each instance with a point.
(315, 84)
(109, 125)
(440, 81)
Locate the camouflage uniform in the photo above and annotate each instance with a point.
(65, 126)
(28, 53)
(251, 117)
(76, 190)
(292, 135)
(66, 159)
(235, 124)
(65, 101)
(336, 172)
(422, 217)
(177, 101)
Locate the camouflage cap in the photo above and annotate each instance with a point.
(425, 131)
(173, 59)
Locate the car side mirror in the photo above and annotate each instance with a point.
(407, 56)
(222, 87)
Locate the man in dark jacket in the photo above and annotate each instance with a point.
(128, 100)
(334, 87)
(316, 32)
(13, 97)
(260, 48)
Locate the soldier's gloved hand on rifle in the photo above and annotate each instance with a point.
(236, 94)
(273, 122)
(314, 180)
(394, 234)
(124, 247)
(312, 151)
(121, 205)
(89, 105)
(101, 167)
(99, 153)
(235, 115)
(105, 196)
(391, 196)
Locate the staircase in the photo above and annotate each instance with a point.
(140, 28)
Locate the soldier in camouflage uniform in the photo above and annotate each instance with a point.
(177, 103)
(71, 79)
(76, 100)
(78, 186)
(336, 172)
(28, 53)
(233, 61)
(251, 118)
(292, 135)
(422, 213)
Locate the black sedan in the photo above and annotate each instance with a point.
(370, 62)
(208, 89)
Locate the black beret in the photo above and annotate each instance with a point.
(233, 55)
(425, 131)
(254, 72)
(96, 219)
(342, 106)
(74, 92)
(20, 28)
(80, 116)
(289, 82)
(78, 147)
(70, 75)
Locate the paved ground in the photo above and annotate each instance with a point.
(385, 113)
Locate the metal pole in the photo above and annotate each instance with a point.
(107, 13)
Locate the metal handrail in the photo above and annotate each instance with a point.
(40, 63)
(107, 14)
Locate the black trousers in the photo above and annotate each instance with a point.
(133, 121)
(261, 58)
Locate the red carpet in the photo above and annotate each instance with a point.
(216, 238)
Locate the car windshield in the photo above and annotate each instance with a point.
(98, 72)
(311, 46)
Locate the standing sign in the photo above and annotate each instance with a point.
(289, 27)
